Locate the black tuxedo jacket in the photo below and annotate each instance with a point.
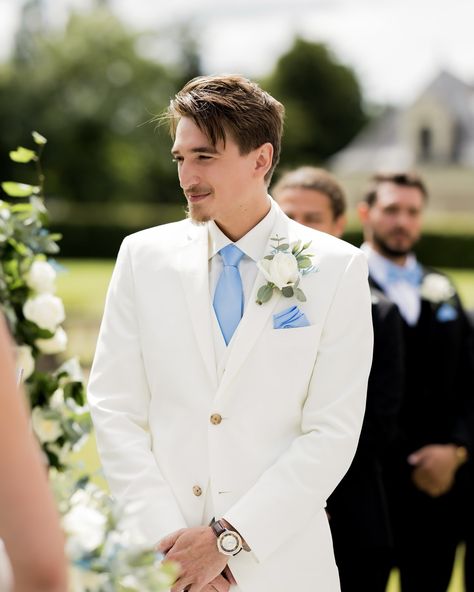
(438, 399)
(357, 508)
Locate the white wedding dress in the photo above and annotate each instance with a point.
(5, 570)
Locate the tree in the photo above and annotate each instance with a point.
(91, 93)
(323, 102)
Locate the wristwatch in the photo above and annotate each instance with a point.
(229, 542)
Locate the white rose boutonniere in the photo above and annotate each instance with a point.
(283, 269)
(436, 288)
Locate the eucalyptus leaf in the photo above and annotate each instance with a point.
(287, 291)
(283, 247)
(264, 293)
(39, 139)
(14, 189)
(23, 155)
(304, 262)
(300, 295)
(269, 257)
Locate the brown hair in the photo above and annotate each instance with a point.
(230, 104)
(402, 179)
(308, 177)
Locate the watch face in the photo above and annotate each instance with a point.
(229, 542)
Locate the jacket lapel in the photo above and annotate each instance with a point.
(193, 265)
(255, 316)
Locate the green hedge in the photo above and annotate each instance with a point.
(100, 240)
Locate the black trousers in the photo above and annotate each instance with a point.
(426, 533)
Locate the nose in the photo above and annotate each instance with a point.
(187, 175)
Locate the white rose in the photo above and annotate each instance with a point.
(73, 369)
(436, 288)
(46, 310)
(41, 277)
(55, 344)
(282, 270)
(86, 529)
(56, 401)
(47, 429)
(25, 360)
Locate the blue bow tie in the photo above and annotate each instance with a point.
(412, 275)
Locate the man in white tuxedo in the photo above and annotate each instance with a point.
(228, 388)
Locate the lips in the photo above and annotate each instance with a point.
(196, 195)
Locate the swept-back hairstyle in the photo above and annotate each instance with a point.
(230, 105)
(402, 179)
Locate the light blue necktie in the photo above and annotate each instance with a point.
(229, 294)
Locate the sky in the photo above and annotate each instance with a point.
(395, 46)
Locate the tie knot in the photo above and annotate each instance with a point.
(231, 255)
(412, 275)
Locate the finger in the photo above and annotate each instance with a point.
(168, 541)
(229, 575)
(220, 584)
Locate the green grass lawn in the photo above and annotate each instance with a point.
(83, 285)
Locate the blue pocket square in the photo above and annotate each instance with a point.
(290, 318)
(446, 312)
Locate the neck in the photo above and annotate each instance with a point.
(237, 223)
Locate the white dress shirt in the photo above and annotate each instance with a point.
(404, 294)
(253, 245)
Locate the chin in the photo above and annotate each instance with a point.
(196, 216)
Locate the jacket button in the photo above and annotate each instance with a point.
(197, 490)
(216, 419)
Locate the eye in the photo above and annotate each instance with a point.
(177, 159)
(204, 157)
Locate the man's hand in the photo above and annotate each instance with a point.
(435, 468)
(195, 550)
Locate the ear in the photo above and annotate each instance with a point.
(363, 211)
(263, 159)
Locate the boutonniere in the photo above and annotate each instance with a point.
(436, 288)
(283, 269)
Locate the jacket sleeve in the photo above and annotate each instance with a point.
(296, 487)
(119, 398)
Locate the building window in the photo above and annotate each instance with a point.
(426, 144)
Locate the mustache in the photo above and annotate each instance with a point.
(196, 190)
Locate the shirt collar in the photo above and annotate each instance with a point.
(252, 244)
(379, 265)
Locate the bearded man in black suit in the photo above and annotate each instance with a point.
(425, 470)
(357, 509)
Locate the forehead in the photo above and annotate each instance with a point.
(189, 137)
(391, 194)
(304, 198)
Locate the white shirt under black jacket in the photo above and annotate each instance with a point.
(404, 294)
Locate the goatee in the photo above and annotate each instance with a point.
(195, 217)
(389, 251)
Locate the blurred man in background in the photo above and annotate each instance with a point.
(358, 509)
(424, 472)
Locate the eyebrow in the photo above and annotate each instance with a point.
(199, 149)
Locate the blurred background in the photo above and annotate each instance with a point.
(373, 84)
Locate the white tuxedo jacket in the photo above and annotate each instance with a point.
(291, 401)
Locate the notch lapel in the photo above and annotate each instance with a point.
(193, 265)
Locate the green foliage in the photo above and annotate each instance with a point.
(323, 102)
(59, 418)
(93, 94)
